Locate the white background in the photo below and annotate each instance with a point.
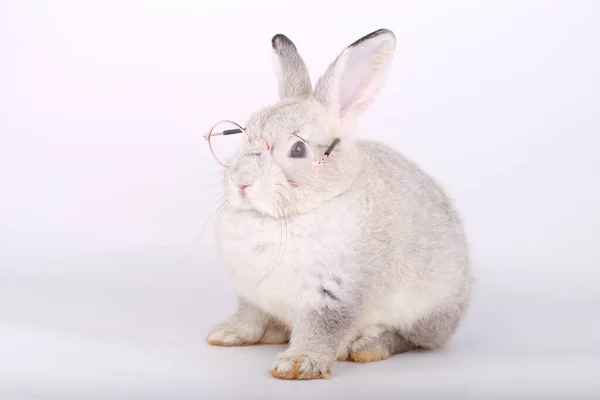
(106, 287)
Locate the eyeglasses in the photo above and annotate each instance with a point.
(291, 152)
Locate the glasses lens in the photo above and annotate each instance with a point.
(226, 139)
(294, 157)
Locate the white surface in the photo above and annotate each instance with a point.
(109, 334)
(104, 293)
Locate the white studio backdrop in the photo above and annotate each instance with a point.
(103, 106)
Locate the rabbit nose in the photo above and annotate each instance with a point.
(243, 190)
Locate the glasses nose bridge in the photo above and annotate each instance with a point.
(268, 143)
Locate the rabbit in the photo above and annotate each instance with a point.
(366, 259)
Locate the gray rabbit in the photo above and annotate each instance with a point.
(342, 247)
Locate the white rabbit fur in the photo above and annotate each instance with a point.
(366, 259)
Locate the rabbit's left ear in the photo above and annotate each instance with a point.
(354, 79)
(292, 75)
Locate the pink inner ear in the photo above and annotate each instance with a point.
(360, 78)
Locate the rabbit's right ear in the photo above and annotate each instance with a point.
(292, 75)
(354, 79)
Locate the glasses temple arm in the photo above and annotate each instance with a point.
(331, 147)
(224, 133)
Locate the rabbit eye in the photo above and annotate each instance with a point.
(298, 150)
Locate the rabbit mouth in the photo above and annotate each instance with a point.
(241, 200)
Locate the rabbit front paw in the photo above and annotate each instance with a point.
(230, 334)
(292, 365)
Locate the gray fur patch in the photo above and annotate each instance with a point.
(261, 248)
(329, 293)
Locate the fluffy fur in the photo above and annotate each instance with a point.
(365, 260)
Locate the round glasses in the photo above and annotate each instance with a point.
(291, 152)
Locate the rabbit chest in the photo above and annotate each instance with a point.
(286, 266)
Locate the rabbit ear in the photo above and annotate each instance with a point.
(292, 74)
(353, 80)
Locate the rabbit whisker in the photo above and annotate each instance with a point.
(284, 232)
(222, 206)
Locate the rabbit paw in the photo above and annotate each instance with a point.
(228, 334)
(300, 366)
(275, 334)
(374, 347)
(363, 354)
(364, 350)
